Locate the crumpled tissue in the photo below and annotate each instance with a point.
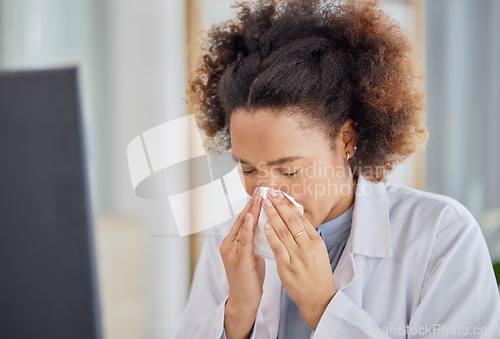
(260, 245)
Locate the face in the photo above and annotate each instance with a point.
(274, 150)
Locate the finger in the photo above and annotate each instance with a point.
(306, 224)
(279, 226)
(245, 236)
(291, 217)
(279, 249)
(254, 211)
(241, 218)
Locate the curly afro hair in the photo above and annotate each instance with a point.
(336, 60)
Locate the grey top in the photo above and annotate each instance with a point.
(335, 233)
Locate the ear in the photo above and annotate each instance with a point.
(348, 136)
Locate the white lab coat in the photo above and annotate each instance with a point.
(415, 265)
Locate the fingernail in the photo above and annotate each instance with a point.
(255, 190)
(267, 202)
(247, 217)
(255, 200)
(267, 225)
(281, 195)
(272, 193)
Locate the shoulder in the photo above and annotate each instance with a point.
(427, 227)
(427, 208)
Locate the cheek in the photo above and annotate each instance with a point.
(310, 193)
(306, 188)
(249, 185)
(318, 191)
(312, 189)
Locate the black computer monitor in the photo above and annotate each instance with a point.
(48, 280)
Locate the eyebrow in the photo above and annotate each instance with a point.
(270, 163)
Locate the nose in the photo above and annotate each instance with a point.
(267, 182)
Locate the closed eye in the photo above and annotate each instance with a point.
(288, 175)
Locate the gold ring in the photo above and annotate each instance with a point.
(238, 240)
(296, 235)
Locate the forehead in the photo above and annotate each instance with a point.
(266, 120)
(266, 135)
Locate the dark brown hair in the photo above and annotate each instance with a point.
(337, 60)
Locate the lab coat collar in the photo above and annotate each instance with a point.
(370, 232)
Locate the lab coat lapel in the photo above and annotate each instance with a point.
(370, 233)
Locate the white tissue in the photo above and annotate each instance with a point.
(260, 244)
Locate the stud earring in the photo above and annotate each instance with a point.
(355, 148)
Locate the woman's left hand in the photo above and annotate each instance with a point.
(302, 263)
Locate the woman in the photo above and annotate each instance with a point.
(319, 99)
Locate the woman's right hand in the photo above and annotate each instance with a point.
(244, 270)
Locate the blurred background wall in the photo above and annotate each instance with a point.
(463, 87)
(133, 60)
